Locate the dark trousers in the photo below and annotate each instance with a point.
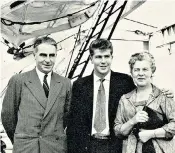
(105, 146)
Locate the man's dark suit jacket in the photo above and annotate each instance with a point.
(81, 110)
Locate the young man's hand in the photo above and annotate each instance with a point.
(169, 93)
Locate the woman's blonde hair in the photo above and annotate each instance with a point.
(140, 57)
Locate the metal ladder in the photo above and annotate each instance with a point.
(95, 34)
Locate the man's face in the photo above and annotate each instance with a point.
(102, 60)
(45, 57)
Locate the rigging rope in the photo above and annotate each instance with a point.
(77, 38)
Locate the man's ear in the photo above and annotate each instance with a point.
(91, 58)
(34, 54)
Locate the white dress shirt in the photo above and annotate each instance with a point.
(106, 84)
(41, 76)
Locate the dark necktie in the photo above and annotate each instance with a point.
(45, 86)
(100, 115)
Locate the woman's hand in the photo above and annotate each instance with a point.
(145, 135)
(141, 116)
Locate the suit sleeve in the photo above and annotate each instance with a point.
(67, 103)
(131, 84)
(168, 108)
(10, 106)
(73, 106)
(120, 119)
(75, 132)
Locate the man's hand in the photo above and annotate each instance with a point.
(145, 135)
(168, 93)
(1, 128)
(65, 130)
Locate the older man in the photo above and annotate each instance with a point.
(34, 111)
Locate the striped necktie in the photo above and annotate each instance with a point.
(45, 86)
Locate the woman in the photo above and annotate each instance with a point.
(146, 117)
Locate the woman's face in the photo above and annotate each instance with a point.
(141, 73)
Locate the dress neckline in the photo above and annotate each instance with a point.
(140, 103)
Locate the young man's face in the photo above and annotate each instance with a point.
(45, 57)
(102, 60)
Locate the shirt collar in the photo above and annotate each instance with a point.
(107, 77)
(41, 74)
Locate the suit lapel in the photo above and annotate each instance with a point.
(112, 91)
(89, 90)
(55, 87)
(34, 85)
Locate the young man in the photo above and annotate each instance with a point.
(34, 111)
(94, 104)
